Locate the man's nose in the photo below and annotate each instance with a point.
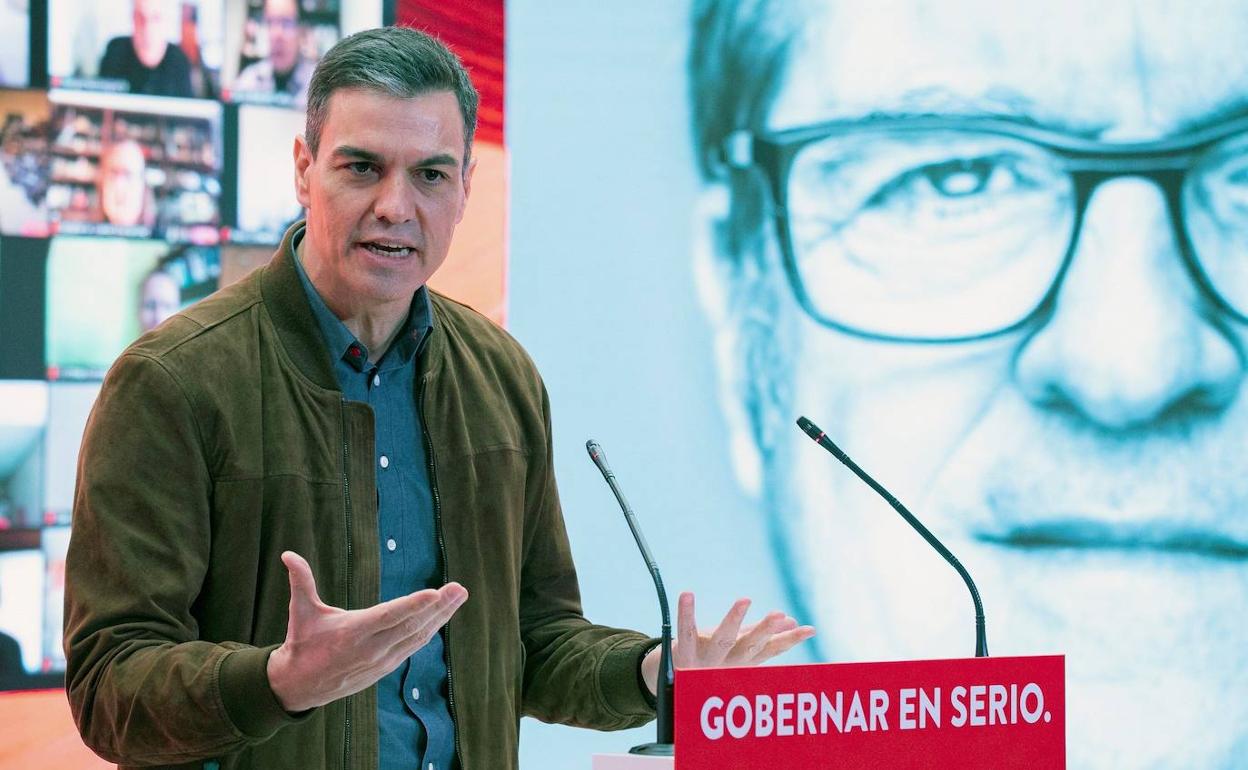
(1131, 339)
(396, 200)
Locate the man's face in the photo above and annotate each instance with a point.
(1089, 468)
(123, 189)
(282, 21)
(149, 34)
(383, 195)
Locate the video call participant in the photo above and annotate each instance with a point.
(122, 184)
(159, 299)
(145, 59)
(1029, 327)
(285, 70)
(288, 489)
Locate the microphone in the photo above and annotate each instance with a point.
(821, 438)
(664, 741)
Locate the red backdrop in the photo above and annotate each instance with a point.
(474, 30)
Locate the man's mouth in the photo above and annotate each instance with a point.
(1087, 534)
(390, 249)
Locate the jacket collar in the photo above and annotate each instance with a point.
(288, 306)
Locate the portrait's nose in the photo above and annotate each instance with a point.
(396, 200)
(1130, 340)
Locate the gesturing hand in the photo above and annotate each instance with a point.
(330, 653)
(729, 644)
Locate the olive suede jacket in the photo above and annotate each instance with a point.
(220, 440)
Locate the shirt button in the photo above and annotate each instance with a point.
(385, 461)
(415, 693)
(391, 545)
(376, 380)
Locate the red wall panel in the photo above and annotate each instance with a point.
(474, 30)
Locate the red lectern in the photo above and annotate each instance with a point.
(963, 713)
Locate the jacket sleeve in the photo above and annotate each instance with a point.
(575, 672)
(142, 686)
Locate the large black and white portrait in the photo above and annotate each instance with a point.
(999, 251)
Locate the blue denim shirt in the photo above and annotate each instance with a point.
(414, 720)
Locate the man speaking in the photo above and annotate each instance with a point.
(286, 491)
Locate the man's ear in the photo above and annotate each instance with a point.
(303, 169)
(713, 270)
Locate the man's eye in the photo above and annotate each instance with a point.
(983, 180)
(956, 178)
(431, 175)
(959, 178)
(360, 167)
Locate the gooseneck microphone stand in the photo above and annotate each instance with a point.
(821, 438)
(664, 743)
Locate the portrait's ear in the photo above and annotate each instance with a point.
(715, 273)
(303, 168)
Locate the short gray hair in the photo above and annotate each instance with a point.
(397, 61)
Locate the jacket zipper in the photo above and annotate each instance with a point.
(432, 465)
(346, 492)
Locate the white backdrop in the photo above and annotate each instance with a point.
(602, 295)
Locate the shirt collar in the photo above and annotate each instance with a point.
(343, 345)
